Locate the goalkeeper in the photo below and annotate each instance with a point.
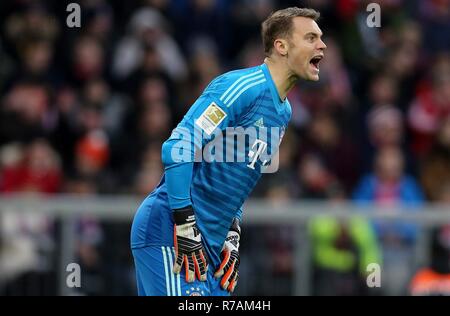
(185, 234)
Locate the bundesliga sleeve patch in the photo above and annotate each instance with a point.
(211, 118)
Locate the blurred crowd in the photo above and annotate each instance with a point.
(85, 111)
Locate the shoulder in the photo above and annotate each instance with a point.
(237, 86)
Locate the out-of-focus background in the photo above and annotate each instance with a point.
(84, 111)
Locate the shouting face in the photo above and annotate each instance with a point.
(305, 48)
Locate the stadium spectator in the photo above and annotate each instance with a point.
(436, 165)
(434, 279)
(430, 106)
(341, 253)
(326, 139)
(88, 60)
(148, 26)
(389, 187)
(25, 112)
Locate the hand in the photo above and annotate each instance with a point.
(230, 258)
(188, 246)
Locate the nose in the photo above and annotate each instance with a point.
(321, 45)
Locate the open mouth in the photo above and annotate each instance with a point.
(315, 61)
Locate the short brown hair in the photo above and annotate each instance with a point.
(279, 24)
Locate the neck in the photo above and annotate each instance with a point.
(283, 78)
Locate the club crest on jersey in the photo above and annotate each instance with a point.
(210, 118)
(195, 292)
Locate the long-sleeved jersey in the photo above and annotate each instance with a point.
(217, 153)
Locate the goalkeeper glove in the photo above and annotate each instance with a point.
(230, 258)
(188, 245)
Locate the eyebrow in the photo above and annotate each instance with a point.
(313, 34)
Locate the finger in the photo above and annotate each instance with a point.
(178, 264)
(196, 267)
(221, 269)
(175, 241)
(204, 261)
(199, 267)
(233, 283)
(190, 270)
(231, 278)
(230, 262)
(226, 278)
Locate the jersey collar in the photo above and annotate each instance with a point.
(280, 104)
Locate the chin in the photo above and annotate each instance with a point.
(309, 76)
(312, 78)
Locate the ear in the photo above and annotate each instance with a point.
(281, 46)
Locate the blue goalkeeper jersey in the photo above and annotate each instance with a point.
(227, 139)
